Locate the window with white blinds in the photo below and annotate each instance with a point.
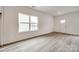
(27, 23)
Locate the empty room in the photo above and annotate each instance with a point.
(39, 28)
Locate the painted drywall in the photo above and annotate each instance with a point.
(59, 27)
(0, 29)
(10, 18)
(1, 25)
(72, 23)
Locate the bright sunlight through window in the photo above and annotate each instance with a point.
(27, 23)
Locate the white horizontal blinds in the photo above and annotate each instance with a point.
(27, 23)
(34, 23)
(23, 22)
(34, 27)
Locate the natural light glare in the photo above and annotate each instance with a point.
(23, 22)
(34, 27)
(34, 23)
(23, 27)
(34, 19)
(23, 17)
(27, 23)
(62, 21)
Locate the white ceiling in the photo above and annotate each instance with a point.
(57, 10)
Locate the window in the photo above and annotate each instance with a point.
(23, 22)
(34, 23)
(27, 23)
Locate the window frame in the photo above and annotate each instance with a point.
(30, 23)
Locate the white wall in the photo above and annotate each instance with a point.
(1, 25)
(0, 28)
(71, 26)
(59, 27)
(11, 24)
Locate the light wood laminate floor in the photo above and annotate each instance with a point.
(53, 42)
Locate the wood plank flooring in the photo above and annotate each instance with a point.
(53, 42)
